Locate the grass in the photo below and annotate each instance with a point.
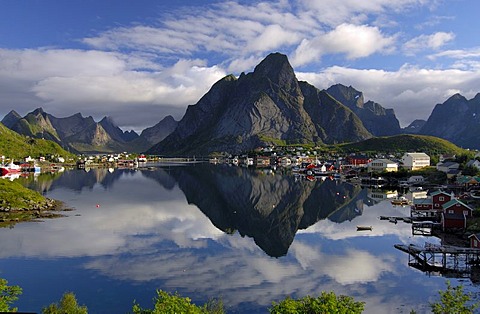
(18, 203)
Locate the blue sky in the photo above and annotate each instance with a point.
(139, 61)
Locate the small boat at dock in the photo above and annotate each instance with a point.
(402, 201)
(364, 228)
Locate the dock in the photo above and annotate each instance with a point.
(452, 260)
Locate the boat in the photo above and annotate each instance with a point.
(9, 169)
(400, 201)
(142, 158)
(364, 228)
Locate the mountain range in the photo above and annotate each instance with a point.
(268, 106)
(82, 134)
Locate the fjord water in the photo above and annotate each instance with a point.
(246, 236)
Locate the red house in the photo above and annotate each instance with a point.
(358, 160)
(434, 202)
(453, 222)
(474, 241)
(454, 215)
(457, 207)
(439, 198)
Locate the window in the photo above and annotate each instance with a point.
(450, 211)
(441, 198)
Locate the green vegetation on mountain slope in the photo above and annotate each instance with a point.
(14, 145)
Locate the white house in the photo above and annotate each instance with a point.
(382, 165)
(415, 161)
(473, 163)
(415, 179)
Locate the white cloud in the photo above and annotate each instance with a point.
(352, 40)
(59, 80)
(423, 42)
(411, 91)
(357, 11)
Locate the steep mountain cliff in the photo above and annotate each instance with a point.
(267, 106)
(456, 120)
(376, 119)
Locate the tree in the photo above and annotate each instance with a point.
(166, 303)
(8, 295)
(327, 302)
(453, 300)
(470, 171)
(68, 304)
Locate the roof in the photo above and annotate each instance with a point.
(437, 192)
(417, 155)
(387, 161)
(449, 164)
(455, 202)
(476, 235)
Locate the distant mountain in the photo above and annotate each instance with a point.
(159, 131)
(414, 127)
(376, 119)
(267, 106)
(76, 133)
(456, 120)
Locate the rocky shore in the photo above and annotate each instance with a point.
(49, 208)
(19, 204)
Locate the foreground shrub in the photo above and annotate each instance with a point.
(327, 302)
(8, 295)
(454, 300)
(68, 304)
(166, 303)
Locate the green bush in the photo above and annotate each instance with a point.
(327, 302)
(68, 304)
(453, 300)
(8, 295)
(166, 303)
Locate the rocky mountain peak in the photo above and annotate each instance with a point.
(10, 119)
(347, 95)
(277, 69)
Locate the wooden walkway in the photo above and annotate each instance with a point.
(442, 258)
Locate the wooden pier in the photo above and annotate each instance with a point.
(452, 260)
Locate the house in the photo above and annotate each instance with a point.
(453, 222)
(415, 179)
(447, 166)
(415, 161)
(382, 165)
(468, 181)
(358, 160)
(445, 157)
(474, 241)
(439, 198)
(473, 163)
(456, 206)
(434, 201)
(262, 161)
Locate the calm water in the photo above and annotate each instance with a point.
(249, 237)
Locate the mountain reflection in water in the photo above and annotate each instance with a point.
(268, 208)
(190, 229)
